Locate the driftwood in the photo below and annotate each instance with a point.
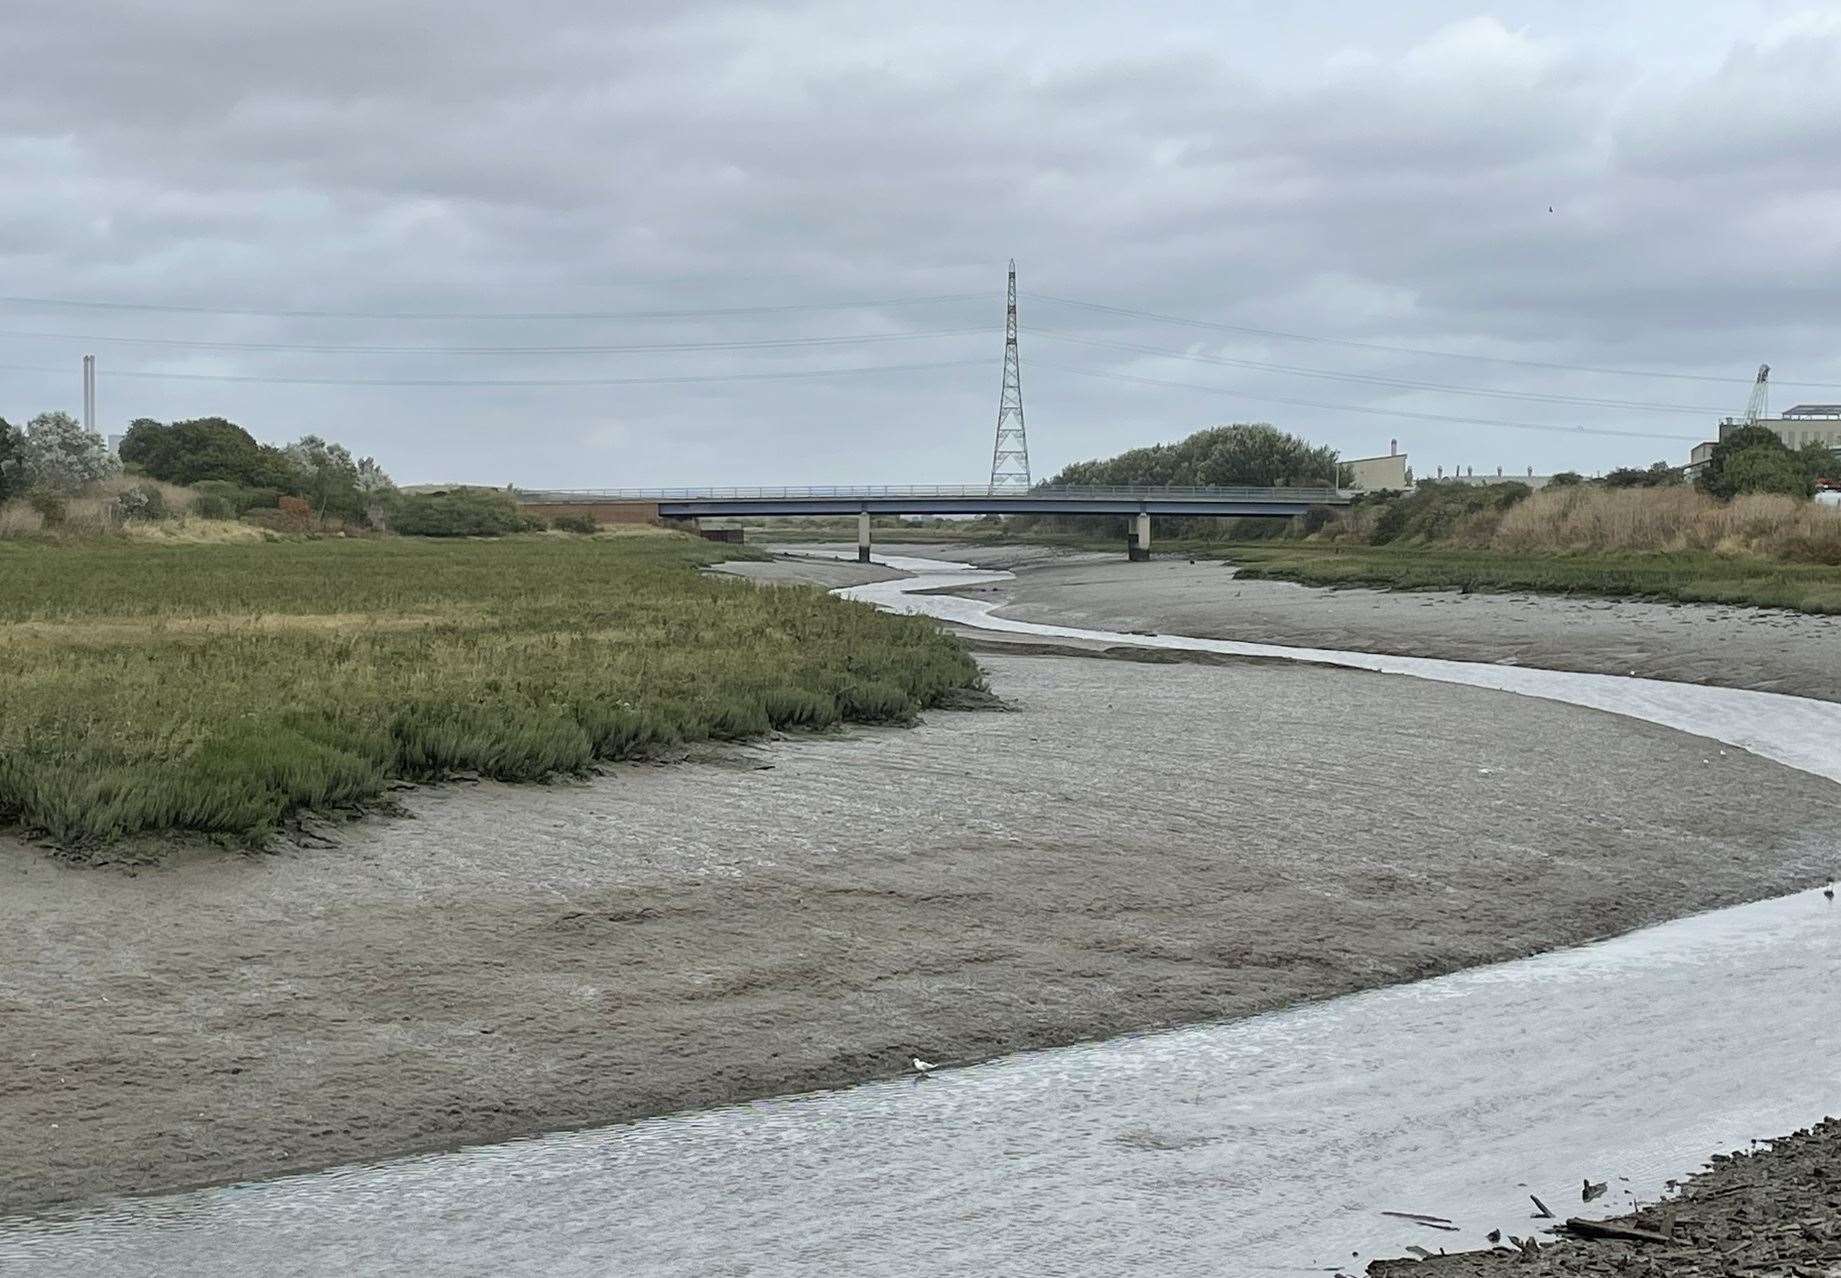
(1610, 1229)
(1420, 1218)
(1542, 1208)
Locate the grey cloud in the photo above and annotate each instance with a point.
(1390, 185)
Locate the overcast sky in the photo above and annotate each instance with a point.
(1658, 190)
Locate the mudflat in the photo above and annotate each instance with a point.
(1765, 649)
(1132, 846)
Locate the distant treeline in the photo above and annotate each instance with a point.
(235, 474)
(1250, 455)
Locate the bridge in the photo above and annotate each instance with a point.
(630, 505)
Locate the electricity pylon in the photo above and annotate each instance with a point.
(1010, 454)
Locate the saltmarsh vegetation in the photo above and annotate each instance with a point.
(213, 690)
(1666, 542)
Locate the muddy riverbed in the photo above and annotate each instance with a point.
(1132, 846)
(1765, 649)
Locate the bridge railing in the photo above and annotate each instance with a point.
(1084, 492)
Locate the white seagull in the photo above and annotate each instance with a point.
(923, 1068)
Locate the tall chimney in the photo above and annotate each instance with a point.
(89, 393)
(1393, 448)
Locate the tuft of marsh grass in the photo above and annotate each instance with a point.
(216, 689)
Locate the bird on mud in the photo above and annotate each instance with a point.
(1591, 1191)
(923, 1068)
(1829, 891)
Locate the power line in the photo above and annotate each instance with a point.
(1376, 412)
(703, 313)
(1375, 379)
(770, 343)
(546, 383)
(1130, 313)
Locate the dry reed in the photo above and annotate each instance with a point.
(1662, 520)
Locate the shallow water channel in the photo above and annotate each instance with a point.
(1263, 1146)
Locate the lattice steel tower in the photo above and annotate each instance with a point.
(1010, 454)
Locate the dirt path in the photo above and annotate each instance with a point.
(1135, 846)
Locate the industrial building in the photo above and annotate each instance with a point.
(1468, 475)
(1804, 424)
(1380, 474)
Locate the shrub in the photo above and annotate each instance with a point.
(799, 708)
(1657, 475)
(280, 521)
(212, 506)
(466, 512)
(1768, 465)
(1761, 469)
(734, 717)
(143, 501)
(1315, 520)
(51, 507)
(12, 460)
(1566, 479)
(575, 524)
(872, 701)
(621, 731)
(239, 497)
(505, 743)
(289, 515)
(1434, 511)
(57, 454)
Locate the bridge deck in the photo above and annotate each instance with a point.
(685, 503)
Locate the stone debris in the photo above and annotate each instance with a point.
(1772, 1212)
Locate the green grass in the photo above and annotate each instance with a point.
(1689, 577)
(216, 689)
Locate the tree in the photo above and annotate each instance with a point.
(1820, 461)
(1768, 470)
(144, 440)
(467, 512)
(1713, 478)
(1257, 455)
(326, 475)
(200, 449)
(12, 460)
(61, 457)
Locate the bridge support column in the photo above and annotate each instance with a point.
(1138, 547)
(863, 538)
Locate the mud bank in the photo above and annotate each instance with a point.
(1772, 1210)
(1137, 846)
(1763, 649)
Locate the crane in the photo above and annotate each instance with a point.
(1758, 405)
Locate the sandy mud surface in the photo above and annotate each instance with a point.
(1764, 649)
(1134, 846)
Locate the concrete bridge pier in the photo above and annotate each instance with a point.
(1138, 543)
(863, 537)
